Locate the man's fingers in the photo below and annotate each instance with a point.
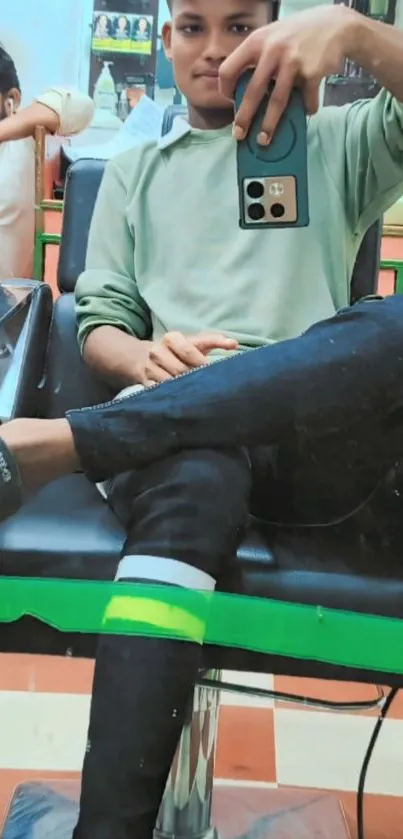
(245, 56)
(155, 374)
(162, 355)
(254, 94)
(277, 103)
(207, 341)
(185, 350)
(176, 354)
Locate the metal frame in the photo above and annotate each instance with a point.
(42, 204)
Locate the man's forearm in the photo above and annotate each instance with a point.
(115, 356)
(378, 49)
(23, 123)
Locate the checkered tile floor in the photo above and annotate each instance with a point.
(44, 705)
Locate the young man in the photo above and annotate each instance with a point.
(60, 112)
(170, 279)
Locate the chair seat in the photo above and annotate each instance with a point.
(66, 530)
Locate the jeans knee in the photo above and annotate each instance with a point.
(225, 475)
(192, 508)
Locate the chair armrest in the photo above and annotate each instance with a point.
(69, 382)
(25, 316)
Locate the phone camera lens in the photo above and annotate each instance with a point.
(277, 210)
(256, 212)
(255, 190)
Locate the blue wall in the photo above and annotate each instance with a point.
(45, 39)
(163, 14)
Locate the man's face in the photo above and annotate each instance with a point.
(3, 112)
(202, 35)
(142, 24)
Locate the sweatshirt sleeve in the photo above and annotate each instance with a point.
(371, 131)
(106, 292)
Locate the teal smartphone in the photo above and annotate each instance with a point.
(273, 180)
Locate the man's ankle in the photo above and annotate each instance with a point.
(44, 449)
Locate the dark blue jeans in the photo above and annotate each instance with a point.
(333, 394)
(300, 432)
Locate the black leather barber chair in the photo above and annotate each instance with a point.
(66, 531)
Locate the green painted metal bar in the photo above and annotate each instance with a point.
(349, 639)
(38, 258)
(50, 238)
(41, 240)
(52, 205)
(395, 265)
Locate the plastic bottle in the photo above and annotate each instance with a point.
(123, 105)
(105, 98)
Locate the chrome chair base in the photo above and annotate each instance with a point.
(186, 807)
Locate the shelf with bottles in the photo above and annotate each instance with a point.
(123, 54)
(130, 90)
(116, 92)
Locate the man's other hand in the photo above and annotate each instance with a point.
(176, 354)
(300, 50)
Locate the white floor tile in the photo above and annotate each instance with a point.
(45, 731)
(250, 680)
(326, 751)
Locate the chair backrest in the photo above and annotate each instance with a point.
(366, 270)
(81, 189)
(170, 115)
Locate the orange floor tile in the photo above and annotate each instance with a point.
(245, 749)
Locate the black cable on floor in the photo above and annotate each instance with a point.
(364, 770)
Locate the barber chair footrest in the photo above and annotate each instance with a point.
(49, 809)
(42, 810)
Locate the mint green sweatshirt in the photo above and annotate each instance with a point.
(165, 248)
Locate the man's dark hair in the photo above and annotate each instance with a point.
(171, 2)
(8, 73)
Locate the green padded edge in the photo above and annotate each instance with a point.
(298, 631)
